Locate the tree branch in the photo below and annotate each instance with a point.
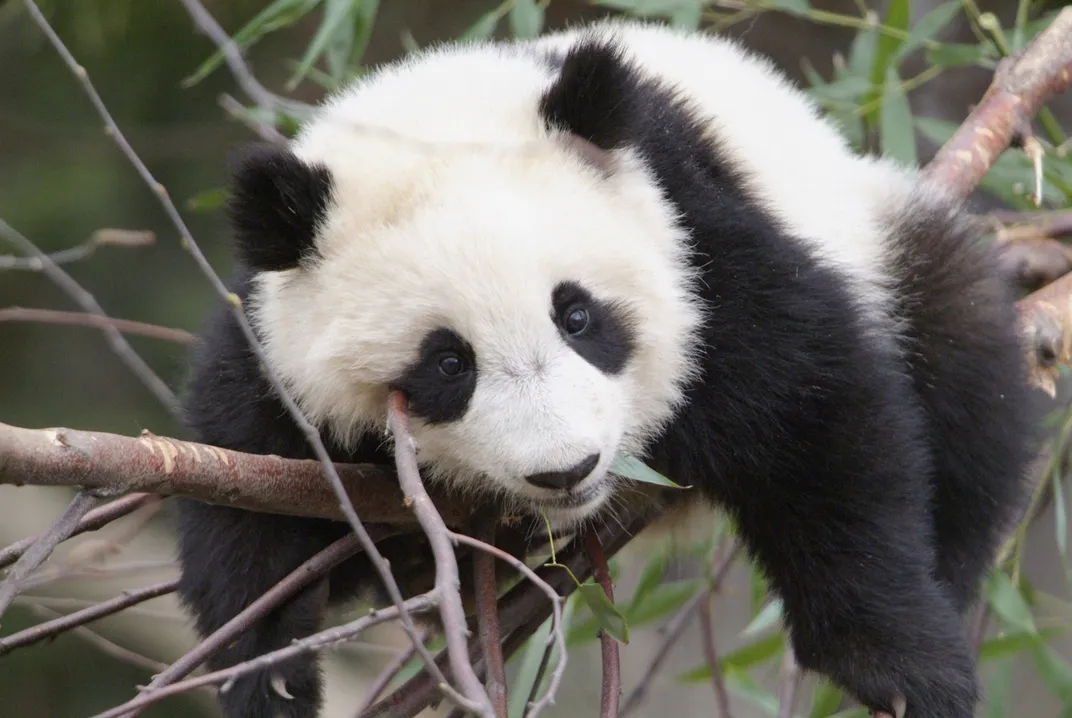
(43, 546)
(80, 319)
(612, 673)
(128, 598)
(1021, 86)
(487, 618)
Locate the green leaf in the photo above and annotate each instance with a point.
(630, 468)
(862, 52)
(741, 659)
(950, 54)
(791, 7)
(897, 17)
(209, 200)
(526, 19)
(1013, 643)
(651, 576)
(1007, 602)
(1054, 671)
(610, 618)
(661, 601)
(825, 700)
(743, 685)
(336, 29)
(279, 14)
(997, 692)
(928, 26)
(897, 132)
(530, 665)
(770, 615)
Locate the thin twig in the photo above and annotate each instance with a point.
(95, 519)
(305, 574)
(612, 673)
(233, 57)
(558, 633)
(387, 675)
(120, 346)
(109, 647)
(43, 545)
(100, 238)
(451, 611)
(129, 597)
(676, 627)
(487, 620)
(316, 642)
(710, 646)
(263, 130)
(81, 319)
(310, 432)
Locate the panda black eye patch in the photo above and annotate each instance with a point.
(440, 383)
(600, 332)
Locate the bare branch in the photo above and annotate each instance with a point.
(169, 467)
(89, 303)
(710, 647)
(43, 545)
(130, 597)
(451, 611)
(1021, 86)
(316, 642)
(95, 519)
(80, 319)
(263, 130)
(100, 238)
(310, 571)
(558, 634)
(487, 620)
(388, 674)
(612, 674)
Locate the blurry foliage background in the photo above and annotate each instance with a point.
(902, 87)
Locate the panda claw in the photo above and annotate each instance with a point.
(899, 708)
(279, 685)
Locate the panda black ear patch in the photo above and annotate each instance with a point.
(276, 204)
(596, 95)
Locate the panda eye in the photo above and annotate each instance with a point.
(576, 320)
(451, 365)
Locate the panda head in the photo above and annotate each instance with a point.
(530, 297)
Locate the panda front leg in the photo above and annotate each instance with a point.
(229, 559)
(838, 520)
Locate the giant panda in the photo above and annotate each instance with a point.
(623, 238)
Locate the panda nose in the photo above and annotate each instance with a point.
(564, 479)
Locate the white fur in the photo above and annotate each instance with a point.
(454, 207)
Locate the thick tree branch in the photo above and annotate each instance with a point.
(1021, 86)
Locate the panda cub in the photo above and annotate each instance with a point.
(624, 238)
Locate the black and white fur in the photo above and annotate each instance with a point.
(625, 238)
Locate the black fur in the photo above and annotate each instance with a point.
(432, 395)
(608, 341)
(275, 207)
(868, 486)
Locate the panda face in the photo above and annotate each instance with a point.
(536, 312)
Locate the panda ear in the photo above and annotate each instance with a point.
(277, 202)
(596, 96)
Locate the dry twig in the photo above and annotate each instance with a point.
(43, 545)
(612, 673)
(316, 642)
(130, 597)
(710, 648)
(120, 346)
(95, 519)
(81, 319)
(447, 582)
